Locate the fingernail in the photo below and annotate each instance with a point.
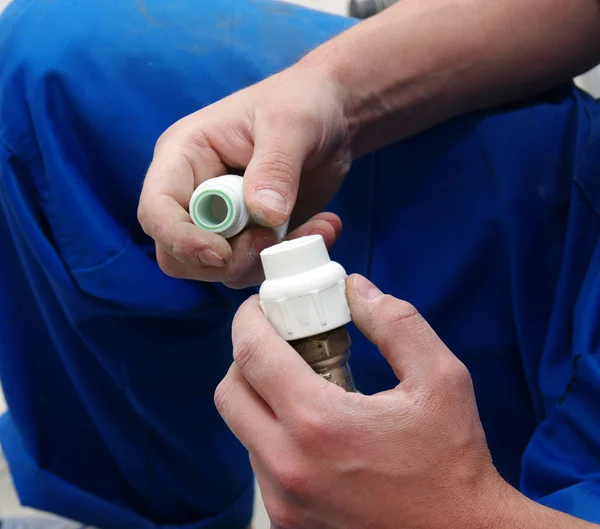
(272, 199)
(210, 258)
(365, 289)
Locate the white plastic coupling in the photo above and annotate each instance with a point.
(304, 292)
(218, 205)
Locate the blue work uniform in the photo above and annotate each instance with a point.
(489, 224)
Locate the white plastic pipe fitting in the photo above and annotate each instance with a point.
(217, 205)
(304, 292)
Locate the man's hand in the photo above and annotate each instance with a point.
(413, 456)
(410, 67)
(290, 136)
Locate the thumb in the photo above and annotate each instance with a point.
(402, 335)
(272, 177)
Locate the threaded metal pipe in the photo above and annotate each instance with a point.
(328, 354)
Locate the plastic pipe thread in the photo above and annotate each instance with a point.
(217, 205)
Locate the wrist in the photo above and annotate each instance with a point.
(361, 103)
(491, 502)
(504, 507)
(500, 506)
(390, 87)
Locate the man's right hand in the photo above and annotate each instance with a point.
(290, 137)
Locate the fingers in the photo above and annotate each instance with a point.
(244, 268)
(174, 233)
(404, 338)
(162, 210)
(184, 158)
(246, 414)
(271, 179)
(271, 366)
(328, 225)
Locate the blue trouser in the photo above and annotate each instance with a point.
(488, 224)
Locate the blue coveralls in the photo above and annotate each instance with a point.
(489, 224)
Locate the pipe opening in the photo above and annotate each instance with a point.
(213, 210)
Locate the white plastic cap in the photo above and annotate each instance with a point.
(218, 205)
(304, 292)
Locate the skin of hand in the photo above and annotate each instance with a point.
(411, 457)
(294, 135)
(290, 136)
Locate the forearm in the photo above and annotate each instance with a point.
(424, 61)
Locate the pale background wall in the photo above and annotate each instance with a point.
(8, 502)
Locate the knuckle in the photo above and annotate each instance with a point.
(342, 163)
(166, 138)
(182, 247)
(293, 479)
(162, 141)
(452, 373)
(314, 427)
(157, 229)
(394, 316)
(278, 165)
(246, 347)
(282, 115)
(397, 310)
(152, 226)
(283, 516)
(462, 375)
(221, 396)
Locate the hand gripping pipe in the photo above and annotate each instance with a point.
(218, 205)
(304, 298)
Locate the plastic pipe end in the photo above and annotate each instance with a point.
(217, 205)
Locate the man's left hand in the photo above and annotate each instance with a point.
(413, 456)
